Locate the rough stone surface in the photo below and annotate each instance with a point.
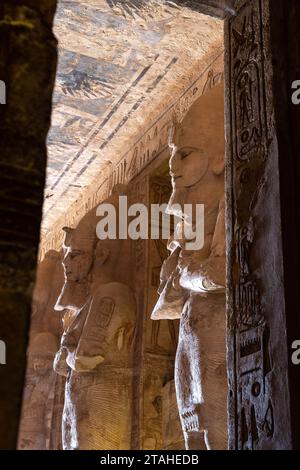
(285, 37)
(27, 66)
(259, 413)
(37, 428)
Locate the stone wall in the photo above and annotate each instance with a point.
(27, 66)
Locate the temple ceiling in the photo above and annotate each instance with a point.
(121, 62)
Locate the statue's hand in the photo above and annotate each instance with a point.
(202, 276)
(171, 299)
(87, 363)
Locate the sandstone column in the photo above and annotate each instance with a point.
(259, 405)
(27, 66)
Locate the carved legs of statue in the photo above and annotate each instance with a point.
(200, 373)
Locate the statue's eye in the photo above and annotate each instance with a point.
(185, 153)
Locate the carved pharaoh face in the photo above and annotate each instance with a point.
(198, 152)
(77, 264)
(189, 162)
(188, 165)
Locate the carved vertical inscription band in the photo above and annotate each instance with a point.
(250, 404)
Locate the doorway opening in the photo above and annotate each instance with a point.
(127, 80)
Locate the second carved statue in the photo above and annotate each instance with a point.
(96, 348)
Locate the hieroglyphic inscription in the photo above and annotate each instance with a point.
(251, 402)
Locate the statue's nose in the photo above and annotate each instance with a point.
(66, 262)
(175, 163)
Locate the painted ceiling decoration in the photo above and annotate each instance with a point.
(120, 62)
(142, 8)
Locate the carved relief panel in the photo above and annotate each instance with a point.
(156, 341)
(161, 336)
(258, 397)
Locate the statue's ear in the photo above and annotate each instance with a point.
(67, 237)
(218, 165)
(102, 255)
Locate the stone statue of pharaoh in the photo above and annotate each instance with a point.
(193, 282)
(36, 430)
(96, 347)
(35, 427)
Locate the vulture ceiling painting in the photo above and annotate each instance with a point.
(120, 62)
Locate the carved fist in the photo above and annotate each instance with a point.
(205, 276)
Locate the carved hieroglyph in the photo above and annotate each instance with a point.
(96, 347)
(258, 398)
(37, 429)
(193, 282)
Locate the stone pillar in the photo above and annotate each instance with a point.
(285, 37)
(27, 67)
(259, 401)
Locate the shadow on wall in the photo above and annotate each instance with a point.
(28, 54)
